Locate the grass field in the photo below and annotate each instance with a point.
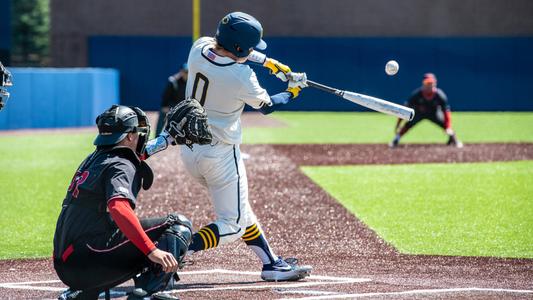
(480, 209)
(343, 128)
(35, 170)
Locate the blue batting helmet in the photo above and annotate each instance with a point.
(238, 32)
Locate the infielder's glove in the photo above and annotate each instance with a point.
(187, 123)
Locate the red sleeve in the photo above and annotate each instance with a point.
(448, 119)
(129, 224)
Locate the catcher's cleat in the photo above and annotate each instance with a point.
(164, 296)
(285, 270)
(140, 294)
(77, 294)
(69, 294)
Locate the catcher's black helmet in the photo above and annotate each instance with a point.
(115, 123)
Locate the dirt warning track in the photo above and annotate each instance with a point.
(302, 220)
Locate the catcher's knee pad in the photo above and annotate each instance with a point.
(176, 240)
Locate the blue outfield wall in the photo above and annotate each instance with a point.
(144, 63)
(477, 73)
(56, 98)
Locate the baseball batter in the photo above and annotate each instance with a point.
(223, 84)
(429, 102)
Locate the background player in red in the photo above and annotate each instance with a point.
(429, 102)
(99, 242)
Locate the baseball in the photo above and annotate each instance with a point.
(392, 67)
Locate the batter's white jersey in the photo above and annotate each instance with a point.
(223, 87)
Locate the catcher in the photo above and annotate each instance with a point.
(429, 102)
(99, 242)
(5, 81)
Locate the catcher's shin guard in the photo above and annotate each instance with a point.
(176, 240)
(206, 238)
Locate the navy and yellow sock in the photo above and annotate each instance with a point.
(206, 238)
(255, 239)
(251, 233)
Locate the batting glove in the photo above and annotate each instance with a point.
(280, 70)
(297, 81)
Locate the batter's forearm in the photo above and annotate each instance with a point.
(277, 100)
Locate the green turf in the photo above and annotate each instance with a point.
(343, 128)
(480, 209)
(34, 174)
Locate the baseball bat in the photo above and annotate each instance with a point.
(373, 103)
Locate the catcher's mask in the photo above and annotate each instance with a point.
(5, 81)
(116, 122)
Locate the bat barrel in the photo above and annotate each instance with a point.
(373, 103)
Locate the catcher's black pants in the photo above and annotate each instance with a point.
(102, 262)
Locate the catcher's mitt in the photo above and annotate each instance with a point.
(187, 123)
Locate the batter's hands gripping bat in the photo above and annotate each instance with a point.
(373, 103)
(361, 99)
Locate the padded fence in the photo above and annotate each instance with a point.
(477, 73)
(55, 98)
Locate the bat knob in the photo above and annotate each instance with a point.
(411, 115)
